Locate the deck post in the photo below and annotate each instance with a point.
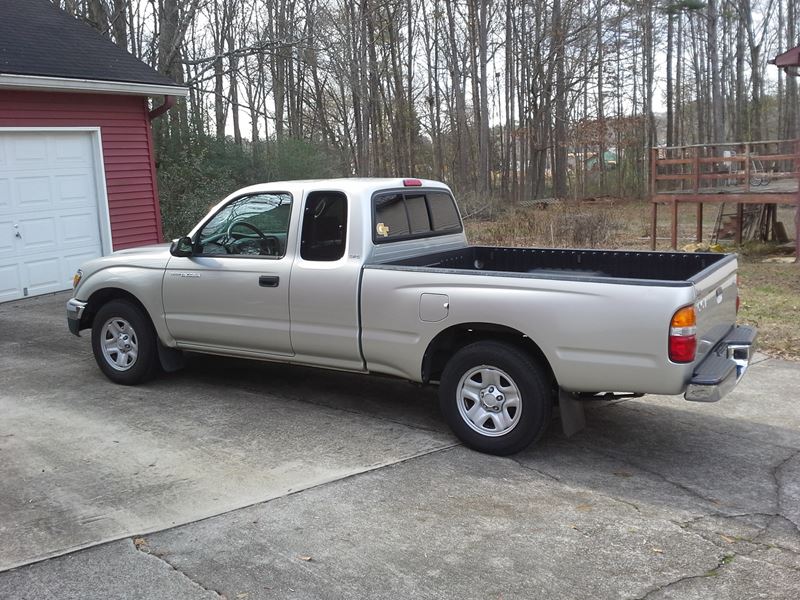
(653, 224)
(699, 222)
(797, 209)
(653, 187)
(739, 218)
(674, 231)
(797, 231)
(653, 170)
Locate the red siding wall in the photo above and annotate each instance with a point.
(127, 152)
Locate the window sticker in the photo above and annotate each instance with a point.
(382, 229)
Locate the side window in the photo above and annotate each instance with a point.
(414, 214)
(324, 234)
(254, 225)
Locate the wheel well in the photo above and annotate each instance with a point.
(452, 339)
(103, 296)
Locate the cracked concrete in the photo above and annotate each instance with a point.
(140, 544)
(114, 570)
(713, 572)
(787, 483)
(657, 498)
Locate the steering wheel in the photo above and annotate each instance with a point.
(270, 244)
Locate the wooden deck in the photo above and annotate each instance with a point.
(743, 173)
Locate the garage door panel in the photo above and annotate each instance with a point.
(5, 195)
(43, 275)
(74, 189)
(7, 238)
(38, 235)
(72, 148)
(79, 229)
(10, 282)
(29, 149)
(32, 192)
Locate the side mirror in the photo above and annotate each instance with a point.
(181, 246)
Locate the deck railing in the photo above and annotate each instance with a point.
(733, 168)
(739, 173)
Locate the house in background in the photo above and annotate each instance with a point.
(77, 178)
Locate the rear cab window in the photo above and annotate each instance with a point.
(411, 214)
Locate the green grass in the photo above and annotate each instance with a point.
(770, 296)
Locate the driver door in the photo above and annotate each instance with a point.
(232, 294)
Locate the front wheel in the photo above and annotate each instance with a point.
(124, 343)
(495, 397)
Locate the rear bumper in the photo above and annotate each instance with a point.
(724, 366)
(75, 310)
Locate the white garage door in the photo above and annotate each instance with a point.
(50, 216)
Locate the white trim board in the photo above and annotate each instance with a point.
(92, 86)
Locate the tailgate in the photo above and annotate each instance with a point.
(715, 304)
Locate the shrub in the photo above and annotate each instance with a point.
(194, 179)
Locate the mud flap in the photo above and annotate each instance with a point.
(573, 418)
(171, 359)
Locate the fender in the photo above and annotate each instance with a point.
(143, 283)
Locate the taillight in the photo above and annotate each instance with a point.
(412, 182)
(683, 335)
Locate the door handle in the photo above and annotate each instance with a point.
(268, 280)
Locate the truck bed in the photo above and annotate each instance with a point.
(663, 268)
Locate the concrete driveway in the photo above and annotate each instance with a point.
(246, 480)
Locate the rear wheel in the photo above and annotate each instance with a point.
(124, 343)
(495, 397)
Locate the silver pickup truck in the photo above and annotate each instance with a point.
(375, 276)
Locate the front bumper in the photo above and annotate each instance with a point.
(724, 366)
(75, 310)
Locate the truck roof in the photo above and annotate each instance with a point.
(351, 185)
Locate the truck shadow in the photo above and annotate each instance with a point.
(674, 455)
(380, 397)
(665, 453)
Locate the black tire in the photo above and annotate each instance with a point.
(140, 336)
(517, 368)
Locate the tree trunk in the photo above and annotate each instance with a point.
(559, 171)
(484, 167)
(461, 173)
(717, 109)
(670, 100)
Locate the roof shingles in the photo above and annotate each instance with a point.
(37, 38)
